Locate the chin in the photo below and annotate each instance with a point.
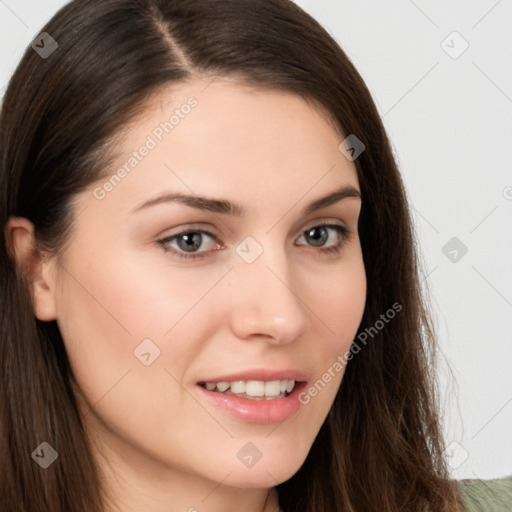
(270, 473)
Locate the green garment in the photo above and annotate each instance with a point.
(487, 495)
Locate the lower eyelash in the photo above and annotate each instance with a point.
(345, 235)
(342, 230)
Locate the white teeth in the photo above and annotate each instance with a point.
(238, 386)
(272, 388)
(253, 388)
(222, 386)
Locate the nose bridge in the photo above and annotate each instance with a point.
(264, 299)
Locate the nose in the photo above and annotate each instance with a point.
(265, 304)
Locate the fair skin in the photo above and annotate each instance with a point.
(161, 445)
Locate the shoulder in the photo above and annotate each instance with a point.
(487, 495)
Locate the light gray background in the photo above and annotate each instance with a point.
(450, 123)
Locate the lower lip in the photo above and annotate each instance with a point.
(257, 411)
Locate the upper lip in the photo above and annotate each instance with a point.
(265, 375)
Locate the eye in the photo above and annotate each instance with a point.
(188, 243)
(319, 236)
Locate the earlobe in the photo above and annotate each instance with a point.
(38, 270)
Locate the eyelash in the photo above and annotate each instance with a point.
(335, 249)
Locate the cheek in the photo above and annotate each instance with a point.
(105, 311)
(338, 300)
(127, 321)
(132, 298)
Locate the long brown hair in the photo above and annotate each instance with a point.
(380, 448)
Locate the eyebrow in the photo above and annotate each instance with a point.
(223, 206)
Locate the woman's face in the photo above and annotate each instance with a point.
(155, 297)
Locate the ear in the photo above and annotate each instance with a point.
(38, 270)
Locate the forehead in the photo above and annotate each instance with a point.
(223, 138)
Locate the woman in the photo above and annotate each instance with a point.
(210, 295)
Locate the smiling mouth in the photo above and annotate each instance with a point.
(252, 389)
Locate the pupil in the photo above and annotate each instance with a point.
(317, 240)
(192, 241)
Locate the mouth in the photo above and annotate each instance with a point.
(252, 389)
(257, 396)
(254, 401)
